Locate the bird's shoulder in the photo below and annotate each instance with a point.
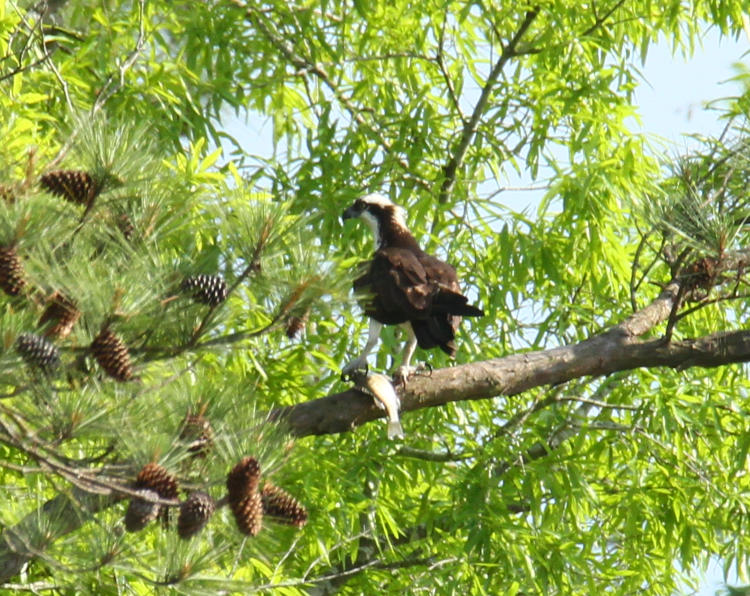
(437, 269)
(397, 257)
(418, 267)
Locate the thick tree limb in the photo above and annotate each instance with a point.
(511, 375)
(617, 349)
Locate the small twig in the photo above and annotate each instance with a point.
(599, 21)
(58, 76)
(22, 68)
(672, 320)
(441, 65)
(19, 468)
(431, 455)
(450, 170)
(34, 588)
(109, 88)
(634, 286)
(704, 303)
(600, 404)
(520, 418)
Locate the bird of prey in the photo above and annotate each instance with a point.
(403, 285)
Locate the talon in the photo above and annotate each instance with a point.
(403, 373)
(424, 369)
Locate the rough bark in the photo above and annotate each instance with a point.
(601, 355)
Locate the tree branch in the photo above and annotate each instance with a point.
(617, 349)
(511, 375)
(471, 126)
(305, 65)
(599, 21)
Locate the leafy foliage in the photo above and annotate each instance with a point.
(606, 484)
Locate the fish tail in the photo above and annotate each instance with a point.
(395, 430)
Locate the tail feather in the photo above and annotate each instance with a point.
(449, 347)
(437, 331)
(453, 303)
(470, 311)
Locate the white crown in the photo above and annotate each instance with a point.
(399, 213)
(377, 199)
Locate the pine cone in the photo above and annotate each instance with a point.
(140, 511)
(195, 512)
(295, 324)
(37, 352)
(206, 289)
(125, 225)
(61, 314)
(112, 355)
(701, 273)
(73, 185)
(197, 431)
(282, 506)
(248, 514)
(11, 271)
(156, 478)
(243, 479)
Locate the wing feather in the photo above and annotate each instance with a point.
(401, 285)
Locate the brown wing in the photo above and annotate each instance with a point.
(404, 286)
(398, 287)
(446, 294)
(439, 328)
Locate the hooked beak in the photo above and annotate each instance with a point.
(349, 213)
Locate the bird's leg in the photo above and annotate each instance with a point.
(403, 372)
(373, 334)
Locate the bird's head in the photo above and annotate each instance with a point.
(379, 213)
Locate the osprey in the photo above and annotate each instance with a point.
(403, 285)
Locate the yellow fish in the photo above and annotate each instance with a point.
(381, 388)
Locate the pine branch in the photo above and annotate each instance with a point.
(252, 267)
(66, 514)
